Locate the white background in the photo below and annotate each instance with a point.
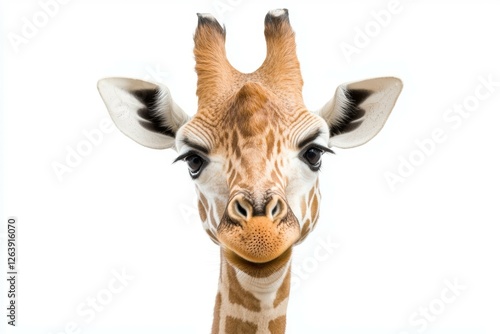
(125, 207)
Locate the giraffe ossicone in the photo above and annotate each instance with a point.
(253, 151)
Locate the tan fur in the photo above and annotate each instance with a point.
(218, 80)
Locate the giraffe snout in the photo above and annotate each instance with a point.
(258, 231)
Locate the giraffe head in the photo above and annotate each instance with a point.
(253, 149)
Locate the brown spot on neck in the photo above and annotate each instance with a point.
(238, 295)
(238, 326)
(278, 325)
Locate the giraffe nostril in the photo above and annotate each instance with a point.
(275, 210)
(241, 209)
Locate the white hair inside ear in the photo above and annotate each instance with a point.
(143, 111)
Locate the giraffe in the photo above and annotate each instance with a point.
(253, 151)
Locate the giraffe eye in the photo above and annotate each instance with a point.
(195, 164)
(312, 156)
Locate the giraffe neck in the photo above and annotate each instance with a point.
(252, 298)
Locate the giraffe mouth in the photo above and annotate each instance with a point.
(259, 240)
(258, 269)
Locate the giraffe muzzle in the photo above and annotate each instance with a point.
(258, 232)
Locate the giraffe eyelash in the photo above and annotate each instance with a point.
(183, 156)
(189, 153)
(322, 148)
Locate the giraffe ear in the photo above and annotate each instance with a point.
(359, 110)
(143, 111)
